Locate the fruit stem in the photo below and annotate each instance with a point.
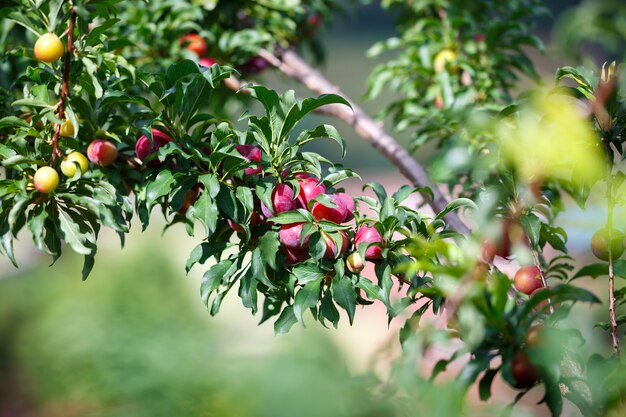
(65, 89)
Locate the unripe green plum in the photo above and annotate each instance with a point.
(600, 244)
(46, 180)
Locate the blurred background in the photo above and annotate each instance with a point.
(135, 339)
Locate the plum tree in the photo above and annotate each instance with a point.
(162, 125)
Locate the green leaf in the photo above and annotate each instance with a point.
(456, 204)
(160, 187)
(285, 321)
(269, 245)
(212, 279)
(88, 266)
(297, 112)
(532, 226)
(378, 189)
(288, 217)
(328, 309)
(307, 272)
(204, 251)
(484, 386)
(594, 270)
(80, 241)
(372, 290)
(322, 131)
(344, 295)
(248, 291)
(306, 298)
(206, 212)
(12, 121)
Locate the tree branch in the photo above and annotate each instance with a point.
(65, 89)
(292, 65)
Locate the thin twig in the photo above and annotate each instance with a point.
(65, 88)
(292, 65)
(542, 274)
(609, 225)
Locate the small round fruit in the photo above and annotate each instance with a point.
(523, 371)
(46, 180)
(336, 214)
(290, 236)
(253, 66)
(252, 154)
(191, 195)
(354, 263)
(442, 58)
(309, 189)
(295, 256)
(207, 62)
(68, 166)
(332, 252)
(282, 200)
(194, 43)
(49, 48)
(369, 234)
(350, 205)
(528, 279)
(600, 244)
(143, 147)
(102, 152)
(67, 129)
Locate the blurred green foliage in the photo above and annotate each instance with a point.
(134, 341)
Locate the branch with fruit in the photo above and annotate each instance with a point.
(159, 130)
